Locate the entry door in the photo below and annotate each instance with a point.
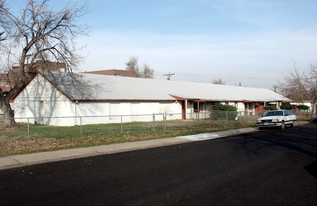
(259, 109)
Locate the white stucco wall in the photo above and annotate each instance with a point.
(240, 106)
(40, 102)
(111, 112)
(303, 103)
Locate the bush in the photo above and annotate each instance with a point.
(287, 106)
(220, 107)
(302, 107)
(270, 108)
(219, 111)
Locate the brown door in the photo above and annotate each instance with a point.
(259, 109)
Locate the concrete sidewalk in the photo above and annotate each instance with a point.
(52, 156)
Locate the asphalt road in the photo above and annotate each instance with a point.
(270, 167)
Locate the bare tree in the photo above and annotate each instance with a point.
(2, 36)
(2, 20)
(133, 65)
(38, 33)
(218, 81)
(300, 85)
(147, 72)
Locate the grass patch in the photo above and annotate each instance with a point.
(46, 138)
(303, 118)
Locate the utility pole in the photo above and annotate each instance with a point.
(169, 75)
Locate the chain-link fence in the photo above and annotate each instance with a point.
(305, 113)
(86, 125)
(92, 125)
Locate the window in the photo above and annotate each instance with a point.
(61, 69)
(287, 113)
(3, 83)
(195, 107)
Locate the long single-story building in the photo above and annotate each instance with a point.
(51, 95)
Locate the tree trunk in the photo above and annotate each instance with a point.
(313, 107)
(8, 112)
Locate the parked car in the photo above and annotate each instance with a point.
(277, 118)
(314, 119)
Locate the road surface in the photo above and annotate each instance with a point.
(269, 167)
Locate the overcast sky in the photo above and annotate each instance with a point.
(247, 41)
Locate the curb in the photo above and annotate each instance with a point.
(16, 161)
(68, 154)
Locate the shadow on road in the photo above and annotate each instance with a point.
(312, 168)
(302, 139)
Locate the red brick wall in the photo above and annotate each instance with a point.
(113, 72)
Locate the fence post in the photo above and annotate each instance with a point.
(28, 128)
(81, 127)
(226, 115)
(121, 124)
(153, 121)
(164, 117)
(244, 116)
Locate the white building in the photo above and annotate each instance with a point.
(52, 94)
(306, 103)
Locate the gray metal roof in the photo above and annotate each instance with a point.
(102, 87)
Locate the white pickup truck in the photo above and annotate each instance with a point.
(279, 118)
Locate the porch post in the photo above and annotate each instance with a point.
(198, 108)
(185, 110)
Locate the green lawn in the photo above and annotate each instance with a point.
(45, 138)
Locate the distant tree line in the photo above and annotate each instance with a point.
(140, 72)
